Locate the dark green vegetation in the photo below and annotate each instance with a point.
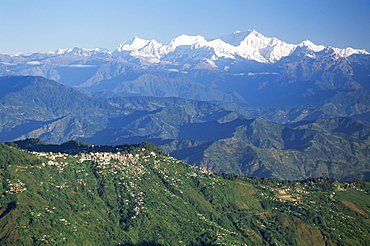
(201, 133)
(77, 147)
(142, 196)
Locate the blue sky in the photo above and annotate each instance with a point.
(46, 25)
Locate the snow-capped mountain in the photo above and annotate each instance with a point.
(249, 45)
(185, 49)
(81, 52)
(243, 68)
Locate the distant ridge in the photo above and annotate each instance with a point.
(248, 45)
(200, 133)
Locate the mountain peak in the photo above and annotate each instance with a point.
(236, 37)
(187, 40)
(254, 32)
(310, 45)
(135, 44)
(350, 51)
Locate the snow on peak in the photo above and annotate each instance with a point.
(256, 46)
(145, 48)
(239, 45)
(195, 41)
(184, 39)
(79, 52)
(322, 51)
(307, 43)
(136, 44)
(252, 45)
(235, 38)
(61, 51)
(248, 45)
(349, 51)
(140, 48)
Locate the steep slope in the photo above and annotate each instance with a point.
(36, 106)
(99, 198)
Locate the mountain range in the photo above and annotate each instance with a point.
(201, 133)
(249, 45)
(245, 68)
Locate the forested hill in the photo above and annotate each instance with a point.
(141, 196)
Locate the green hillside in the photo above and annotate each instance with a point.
(141, 196)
